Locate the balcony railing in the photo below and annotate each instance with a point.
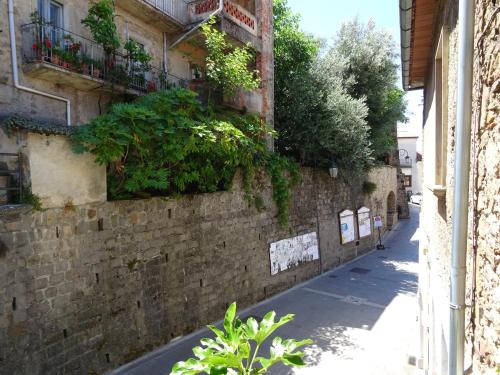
(236, 13)
(176, 9)
(63, 49)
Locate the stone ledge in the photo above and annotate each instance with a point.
(14, 209)
(40, 126)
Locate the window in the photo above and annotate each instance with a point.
(197, 72)
(52, 12)
(441, 92)
(407, 181)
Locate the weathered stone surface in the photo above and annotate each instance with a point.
(88, 300)
(483, 253)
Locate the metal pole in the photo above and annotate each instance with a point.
(461, 189)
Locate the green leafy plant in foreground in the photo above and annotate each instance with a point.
(235, 349)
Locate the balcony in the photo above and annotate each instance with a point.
(169, 15)
(240, 16)
(57, 55)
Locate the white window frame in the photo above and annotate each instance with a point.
(44, 8)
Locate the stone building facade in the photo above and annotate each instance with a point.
(157, 26)
(57, 56)
(430, 61)
(86, 288)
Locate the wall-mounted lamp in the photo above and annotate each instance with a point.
(334, 170)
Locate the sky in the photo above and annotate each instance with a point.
(324, 17)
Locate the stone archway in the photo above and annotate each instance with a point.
(391, 210)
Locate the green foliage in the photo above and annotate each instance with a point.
(138, 54)
(227, 66)
(167, 143)
(101, 22)
(369, 187)
(236, 347)
(317, 120)
(277, 168)
(27, 197)
(370, 74)
(341, 104)
(37, 18)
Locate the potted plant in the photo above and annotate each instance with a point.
(96, 68)
(151, 86)
(56, 58)
(86, 63)
(101, 22)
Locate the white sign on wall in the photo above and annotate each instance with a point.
(291, 252)
(364, 223)
(346, 226)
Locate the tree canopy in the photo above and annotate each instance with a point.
(336, 104)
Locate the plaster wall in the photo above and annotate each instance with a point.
(59, 176)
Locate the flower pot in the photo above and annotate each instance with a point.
(56, 59)
(85, 69)
(96, 73)
(151, 86)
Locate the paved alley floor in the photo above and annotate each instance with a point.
(361, 316)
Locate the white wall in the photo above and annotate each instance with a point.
(410, 145)
(60, 177)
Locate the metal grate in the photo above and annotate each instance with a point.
(359, 270)
(332, 276)
(12, 172)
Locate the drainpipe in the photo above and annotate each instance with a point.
(15, 72)
(183, 37)
(165, 52)
(461, 189)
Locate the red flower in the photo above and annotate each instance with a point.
(48, 44)
(34, 46)
(151, 86)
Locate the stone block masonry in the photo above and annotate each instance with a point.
(86, 288)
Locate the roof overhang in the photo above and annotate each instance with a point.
(416, 19)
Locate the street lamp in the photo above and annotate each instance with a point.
(404, 153)
(334, 170)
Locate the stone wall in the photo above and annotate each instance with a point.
(482, 354)
(86, 288)
(485, 267)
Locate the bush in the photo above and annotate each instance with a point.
(167, 143)
(369, 187)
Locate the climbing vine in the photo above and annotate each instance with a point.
(227, 65)
(167, 143)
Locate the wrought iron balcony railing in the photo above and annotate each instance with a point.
(47, 44)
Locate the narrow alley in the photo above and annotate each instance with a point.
(362, 316)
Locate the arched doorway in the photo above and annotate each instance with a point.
(391, 209)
